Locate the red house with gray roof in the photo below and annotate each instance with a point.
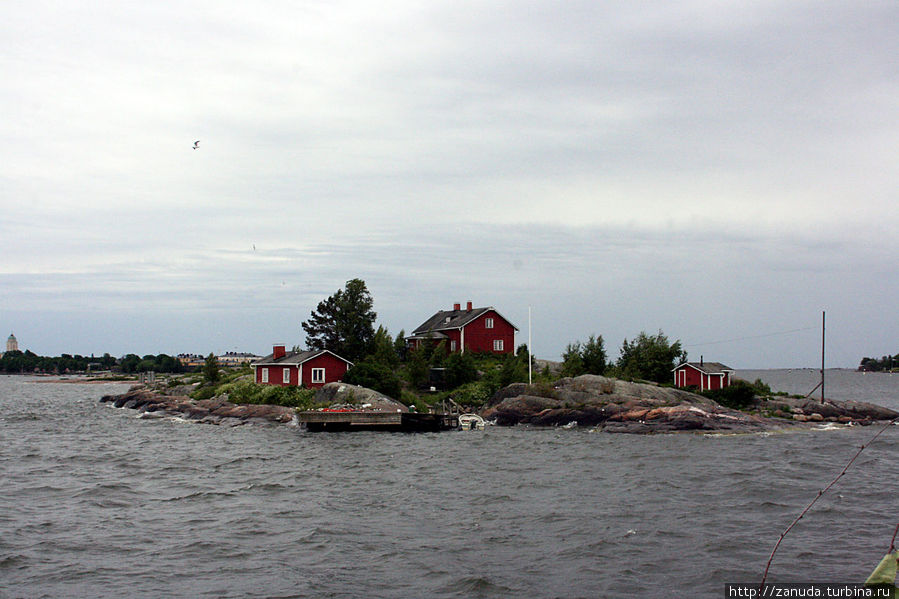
(467, 329)
(707, 376)
(311, 368)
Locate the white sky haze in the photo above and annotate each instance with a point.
(722, 171)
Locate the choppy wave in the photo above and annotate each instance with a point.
(96, 503)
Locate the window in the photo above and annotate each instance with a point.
(318, 375)
(286, 376)
(488, 323)
(265, 375)
(497, 345)
(452, 345)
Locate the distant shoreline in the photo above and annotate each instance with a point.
(38, 379)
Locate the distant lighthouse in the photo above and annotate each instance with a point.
(11, 343)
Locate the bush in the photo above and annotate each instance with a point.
(248, 392)
(473, 394)
(649, 357)
(460, 369)
(203, 393)
(245, 392)
(512, 369)
(737, 396)
(379, 377)
(417, 369)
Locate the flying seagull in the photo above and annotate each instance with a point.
(196, 144)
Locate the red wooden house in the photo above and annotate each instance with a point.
(706, 376)
(312, 368)
(469, 329)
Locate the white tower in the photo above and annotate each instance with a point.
(11, 343)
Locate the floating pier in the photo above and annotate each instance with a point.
(347, 420)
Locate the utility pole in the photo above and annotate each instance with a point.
(823, 328)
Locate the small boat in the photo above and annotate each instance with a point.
(471, 422)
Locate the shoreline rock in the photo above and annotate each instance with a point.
(613, 405)
(208, 411)
(156, 403)
(609, 405)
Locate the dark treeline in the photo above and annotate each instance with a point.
(886, 363)
(18, 362)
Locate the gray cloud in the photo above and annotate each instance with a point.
(710, 169)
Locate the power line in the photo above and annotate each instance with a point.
(750, 337)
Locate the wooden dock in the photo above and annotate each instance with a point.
(342, 421)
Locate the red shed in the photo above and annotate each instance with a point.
(311, 368)
(468, 329)
(706, 376)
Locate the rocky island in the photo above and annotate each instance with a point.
(157, 402)
(614, 405)
(606, 404)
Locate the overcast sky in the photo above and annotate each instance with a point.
(722, 171)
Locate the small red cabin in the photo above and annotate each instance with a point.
(707, 376)
(469, 329)
(311, 368)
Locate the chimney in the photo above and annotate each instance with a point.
(278, 351)
(700, 360)
(468, 307)
(457, 307)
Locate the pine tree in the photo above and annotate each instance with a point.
(344, 322)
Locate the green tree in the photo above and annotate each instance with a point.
(460, 369)
(211, 369)
(593, 354)
(344, 322)
(586, 358)
(417, 368)
(13, 361)
(377, 376)
(128, 363)
(399, 345)
(167, 363)
(512, 370)
(572, 362)
(107, 361)
(383, 350)
(438, 354)
(650, 357)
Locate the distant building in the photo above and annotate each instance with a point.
(469, 329)
(312, 368)
(226, 359)
(707, 376)
(191, 360)
(233, 358)
(11, 343)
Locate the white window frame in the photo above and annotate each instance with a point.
(264, 378)
(318, 375)
(285, 376)
(488, 323)
(497, 345)
(452, 345)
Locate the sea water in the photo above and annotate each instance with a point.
(98, 502)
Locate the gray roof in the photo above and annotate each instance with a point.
(707, 367)
(293, 357)
(429, 335)
(445, 320)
